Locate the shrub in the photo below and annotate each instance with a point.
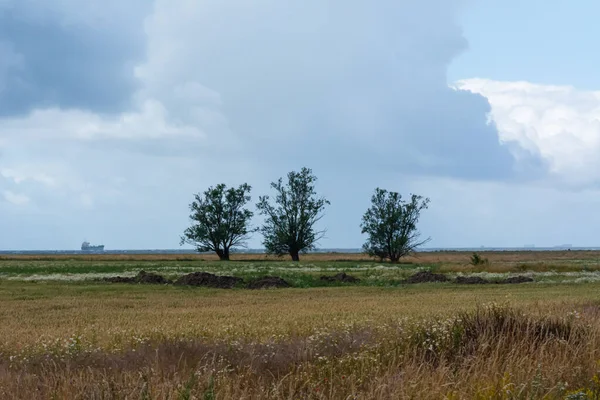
(476, 259)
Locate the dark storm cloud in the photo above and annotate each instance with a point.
(456, 138)
(346, 83)
(63, 59)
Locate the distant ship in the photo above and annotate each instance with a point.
(85, 246)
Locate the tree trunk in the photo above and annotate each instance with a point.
(294, 254)
(223, 254)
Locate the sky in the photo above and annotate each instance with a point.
(114, 114)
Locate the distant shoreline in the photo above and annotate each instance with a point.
(318, 251)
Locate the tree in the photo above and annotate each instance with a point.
(391, 224)
(220, 221)
(289, 224)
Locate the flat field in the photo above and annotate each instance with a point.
(66, 333)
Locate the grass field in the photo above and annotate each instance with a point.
(65, 334)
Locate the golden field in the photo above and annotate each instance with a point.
(31, 311)
(88, 339)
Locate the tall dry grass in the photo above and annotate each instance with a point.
(31, 312)
(491, 352)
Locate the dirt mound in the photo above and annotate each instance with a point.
(517, 279)
(471, 280)
(208, 280)
(343, 277)
(141, 277)
(427, 276)
(267, 282)
(120, 279)
(149, 277)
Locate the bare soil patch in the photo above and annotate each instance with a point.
(427, 276)
(268, 282)
(208, 280)
(141, 277)
(517, 279)
(342, 277)
(471, 280)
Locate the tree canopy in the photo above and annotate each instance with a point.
(289, 226)
(219, 220)
(391, 225)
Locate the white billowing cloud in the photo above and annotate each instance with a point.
(560, 124)
(15, 198)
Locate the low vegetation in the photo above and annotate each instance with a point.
(476, 260)
(542, 267)
(345, 329)
(482, 351)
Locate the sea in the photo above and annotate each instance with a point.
(324, 250)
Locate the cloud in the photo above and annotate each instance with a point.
(151, 121)
(301, 80)
(68, 54)
(116, 122)
(22, 176)
(471, 214)
(558, 124)
(10, 62)
(15, 198)
(367, 80)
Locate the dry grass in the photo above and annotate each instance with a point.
(443, 257)
(487, 352)
(31, 311)
(184, 257)
(101, 341)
